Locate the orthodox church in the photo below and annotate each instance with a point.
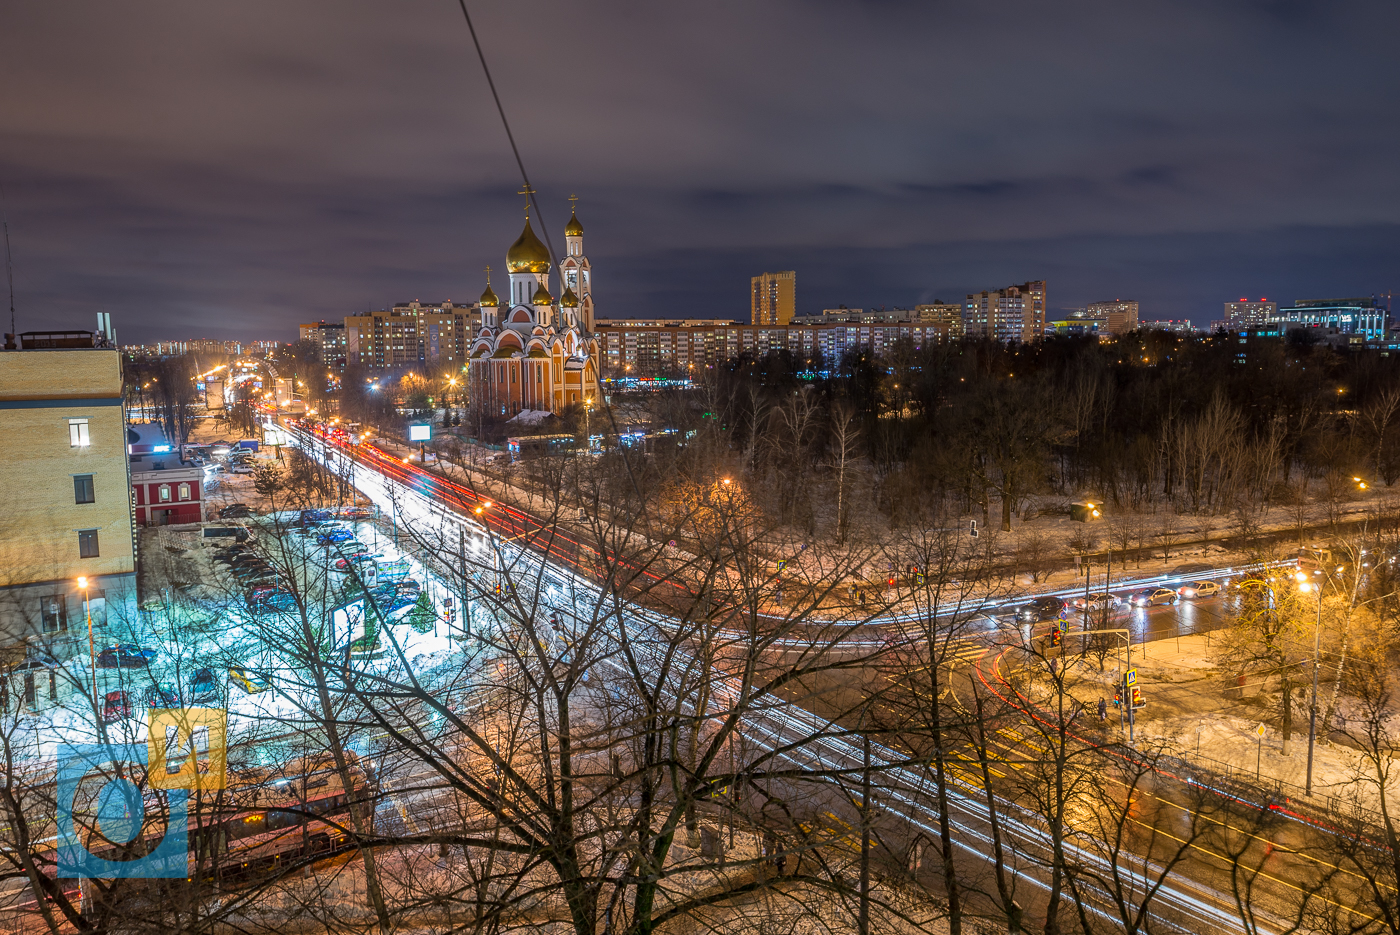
(535, 351)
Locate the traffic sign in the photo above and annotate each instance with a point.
(1130, 678)
(1260, 731)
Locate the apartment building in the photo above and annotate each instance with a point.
(69, 514)
(329, 336)
(1119, 316)
(412, 334)
(1015, 313)
(773, 299)
(643, 347)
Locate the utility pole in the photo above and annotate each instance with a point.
(462, 554)
(1312, 719)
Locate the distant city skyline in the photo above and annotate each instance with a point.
(232, 171)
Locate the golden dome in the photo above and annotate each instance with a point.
(489, 296)
(542, 296)
(527, 254)
(569, 300)
(573, 228)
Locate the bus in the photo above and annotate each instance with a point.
(267, 820)
(527, 447)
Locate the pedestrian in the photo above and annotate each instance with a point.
(1103, 709)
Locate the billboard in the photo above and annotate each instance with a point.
(420, 433)
(214, 395)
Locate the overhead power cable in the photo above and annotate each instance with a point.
(524, 176)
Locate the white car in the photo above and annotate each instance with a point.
(241, 469)
(1193, 589)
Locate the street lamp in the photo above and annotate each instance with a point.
(92, 646)
(1304, 586)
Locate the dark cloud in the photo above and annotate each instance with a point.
(234, 169)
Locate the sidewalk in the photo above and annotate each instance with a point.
(1191, 711)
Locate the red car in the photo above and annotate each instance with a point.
(116, 706)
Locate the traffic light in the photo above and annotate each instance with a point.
(1056, 636)
(1137, 699)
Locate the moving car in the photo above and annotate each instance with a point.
(250, 680)
(1149, 597)
(1198, 589)
(115, 706)
(160, 697)
(125, 656)
(1097, 601)
(204, 687)
(1042, 608)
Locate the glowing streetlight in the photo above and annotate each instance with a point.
(92, 646)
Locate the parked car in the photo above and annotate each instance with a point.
(350, 561)
(160, 697)
(235, 511)
(228, 553)
(1196, 589)
(357, 512)
(270, 593)
(125, 656)
(315, 517)
(37, 661)
(1042, 608)
(250, 680)
(204, 687)
(240, 468)
(332, 536)
(1097, 601)
(115, 706)
(1149, 597)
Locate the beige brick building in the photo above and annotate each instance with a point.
(68, 513)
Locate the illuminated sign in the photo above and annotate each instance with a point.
(420, 433)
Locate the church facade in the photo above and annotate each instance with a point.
(535, 351)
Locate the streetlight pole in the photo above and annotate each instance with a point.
(1312, 719)
(92, 646)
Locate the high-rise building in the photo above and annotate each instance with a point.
(65, 462)
(774, 298)
(329, 336)
(1246, 314)
(411, 334)
(1016, 313)
(1120, 315)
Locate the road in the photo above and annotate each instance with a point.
(1191, 897)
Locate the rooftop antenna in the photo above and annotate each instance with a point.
(9, 267)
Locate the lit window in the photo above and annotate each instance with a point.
(77, 433)
(164, 493)
(87, 543)
(184, 491)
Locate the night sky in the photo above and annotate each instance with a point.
(232, 169)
